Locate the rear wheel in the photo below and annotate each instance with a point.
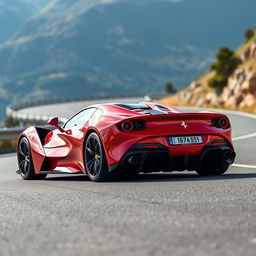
(25, 162)
(95, 159)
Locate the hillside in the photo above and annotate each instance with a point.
(12, 14)
(239, 92)
(86, 47)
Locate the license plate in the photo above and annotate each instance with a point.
(185, 140)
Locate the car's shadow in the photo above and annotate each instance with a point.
(160, 177)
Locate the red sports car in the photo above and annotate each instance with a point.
(106, 139)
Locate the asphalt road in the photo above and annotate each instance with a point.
(155, 214)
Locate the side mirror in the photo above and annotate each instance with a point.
(55, 123)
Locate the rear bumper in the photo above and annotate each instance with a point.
(153, 157)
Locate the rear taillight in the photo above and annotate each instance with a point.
(221, 122)
(128, 126)
(140, 125)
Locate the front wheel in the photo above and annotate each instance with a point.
(25, 162)
(95, 159)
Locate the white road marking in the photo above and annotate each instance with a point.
(253, 240)
(244, 136)
(244, 166)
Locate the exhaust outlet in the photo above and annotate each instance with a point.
(233, 155)
(134, 160)
(227, 155)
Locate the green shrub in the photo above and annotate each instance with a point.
(248, 34)
(169, 87)
(218, 81)
(226, 62)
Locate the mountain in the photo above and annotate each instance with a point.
(86, 47)
(239, 93)
(12, 14)
(36, 4)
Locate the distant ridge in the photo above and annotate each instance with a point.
(105, 47)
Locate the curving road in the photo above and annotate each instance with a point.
(156, 214)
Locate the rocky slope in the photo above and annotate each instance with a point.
(238, 94)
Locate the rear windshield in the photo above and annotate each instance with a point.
(132, 106)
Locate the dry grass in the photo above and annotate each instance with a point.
(249, 63)
(244, 47)
(251, 109)
(174, 101)
(205, 78)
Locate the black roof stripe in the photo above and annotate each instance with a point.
(132, 106)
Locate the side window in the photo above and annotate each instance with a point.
(79, 119)
(97, 114)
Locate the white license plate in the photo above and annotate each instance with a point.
(185, 140)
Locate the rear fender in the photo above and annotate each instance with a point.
(36, 147)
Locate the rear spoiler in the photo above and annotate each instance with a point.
(177, 116)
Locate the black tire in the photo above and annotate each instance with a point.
(25, 161)
(95, 159)
(213, 172)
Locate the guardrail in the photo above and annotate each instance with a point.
(68, 99)
(10, 133)
(13, 111)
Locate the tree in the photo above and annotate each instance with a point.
(248, 34)
(226, 63)
(169, 87)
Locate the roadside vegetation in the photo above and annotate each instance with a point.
(225, 64)
(9, 146)
(10, 122)
(169, 88)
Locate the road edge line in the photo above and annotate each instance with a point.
(244, 166)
